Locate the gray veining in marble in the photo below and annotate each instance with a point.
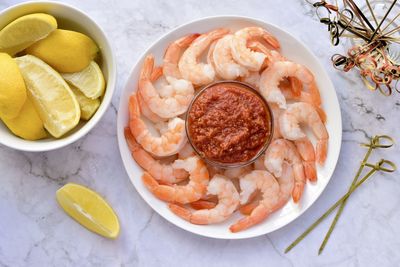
(35, 232)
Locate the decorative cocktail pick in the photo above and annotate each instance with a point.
(373, 52)
(382, 165)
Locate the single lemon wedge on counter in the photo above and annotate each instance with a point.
(65, 51)
(88, 106)
(89, 209)
(90, 80)
(25, 31)
(27, 124)
(12, 88)
(51, 95)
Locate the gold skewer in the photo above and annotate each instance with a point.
(372, 13)
(390, 23)
(383, 20)
(395, 30)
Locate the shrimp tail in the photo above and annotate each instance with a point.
(321, 113)
(315, 94)
(256, 216)
(296, 86)
(180, 211)
(156, 73)
(310, 171)
(322, 148)
(248, 208)
(297, 191)
(272, 41)
(187, 215)
(135, 125)
(147, 68)
(203, 204)
(162, 192)
(130, 140)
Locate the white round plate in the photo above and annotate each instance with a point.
(293, 50)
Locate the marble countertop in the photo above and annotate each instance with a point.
(35, 232)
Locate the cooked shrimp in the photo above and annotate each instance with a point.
(243, 55)
(288, 89)
(146, 111)
(174, 53)
(168, 107)
(203, 204)
(286, 184)
(224, 64)
(161, 172)
(269, 187)
(307, 153)
(271, 55)
(170, 141)
(228, 200)
(304, 113)
(272, 76)
(279, 151)
(183, 194)
(191, 69)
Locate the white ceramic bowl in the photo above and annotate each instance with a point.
(69, 18)
(293, 50)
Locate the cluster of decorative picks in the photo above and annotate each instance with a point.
(371, 57)
(379, 141)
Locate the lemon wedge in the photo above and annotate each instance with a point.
(12, 88)
(51, 95)
(90, 80)
(27, 124)
(89, 209)
(88, 106)
(65, 51)
(25, 31)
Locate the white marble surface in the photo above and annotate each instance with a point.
(35, 232)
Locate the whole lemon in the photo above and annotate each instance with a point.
(12, 88)
(27, 124)
(65, 51)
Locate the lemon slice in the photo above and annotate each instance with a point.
(90, 80)
(51, 95)
(89, 209)
(25, 31)
(88, 106)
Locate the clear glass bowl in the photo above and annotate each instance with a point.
(225, 165)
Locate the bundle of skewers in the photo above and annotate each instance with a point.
(375, 37)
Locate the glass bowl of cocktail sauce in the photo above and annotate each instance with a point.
(229, 124)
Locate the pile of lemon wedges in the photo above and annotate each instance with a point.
(49, 78)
